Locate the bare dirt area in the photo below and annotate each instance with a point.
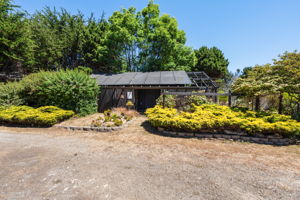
(80, 121)
(135, 163)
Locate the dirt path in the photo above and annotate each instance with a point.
(136, 164)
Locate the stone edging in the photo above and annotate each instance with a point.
(97, 129)
(241, 138)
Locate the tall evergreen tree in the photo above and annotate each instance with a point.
(16, 53)
(58, 36)
(211, 61)
(94, 52)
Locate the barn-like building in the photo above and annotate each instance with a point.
(143, 88)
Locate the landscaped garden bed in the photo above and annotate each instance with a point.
(109, 120)
(28, 116)
(214, 121)
(43, 99)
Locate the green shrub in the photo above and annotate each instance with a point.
(10, 94)
(68, 89)
(197, 100)
(25, 115)
(118, 122)
(211, 117)
(169, 101)
(86, 70)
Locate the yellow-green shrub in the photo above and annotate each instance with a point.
(25, 115)
(210, 117)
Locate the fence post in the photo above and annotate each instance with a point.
(229, 98)
(215, 97)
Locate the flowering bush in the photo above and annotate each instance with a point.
(25, 115)
(215, 118)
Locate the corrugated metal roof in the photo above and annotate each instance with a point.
(144, 78)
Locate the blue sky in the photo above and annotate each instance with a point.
(249, 32)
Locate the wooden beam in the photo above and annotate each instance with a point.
(196, 93)
(155, 87)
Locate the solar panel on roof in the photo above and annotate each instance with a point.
(139, 79)
(153, 78)
(167, 78)
(144, 78)
(125, 78)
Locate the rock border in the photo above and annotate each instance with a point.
(269, 140)
(97, 129)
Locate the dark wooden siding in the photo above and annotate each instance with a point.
(114, 97)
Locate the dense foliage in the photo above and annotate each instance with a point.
(181, 102)
(280, 78)
(211, 61)
(16, 51)
(169, 101)
(215, 118)
(129, 40)
(196, 100)
(10, 94)
(68, 89)
(25, 115)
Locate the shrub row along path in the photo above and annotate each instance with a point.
(136, 164)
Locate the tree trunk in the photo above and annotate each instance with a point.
(257, 103)
(280, 107)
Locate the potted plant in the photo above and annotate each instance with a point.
(129, 105)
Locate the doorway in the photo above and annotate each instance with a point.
(146, 99)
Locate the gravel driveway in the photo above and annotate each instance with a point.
(136, 164)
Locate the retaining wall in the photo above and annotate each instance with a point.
(90, 128)
(234, 136)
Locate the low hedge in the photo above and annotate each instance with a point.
(211, 118)
(25, 115)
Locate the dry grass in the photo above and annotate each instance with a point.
(81, 121)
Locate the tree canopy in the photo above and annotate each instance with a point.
(16, 46)
(129, 40)
(283, 76)
(212, 61)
